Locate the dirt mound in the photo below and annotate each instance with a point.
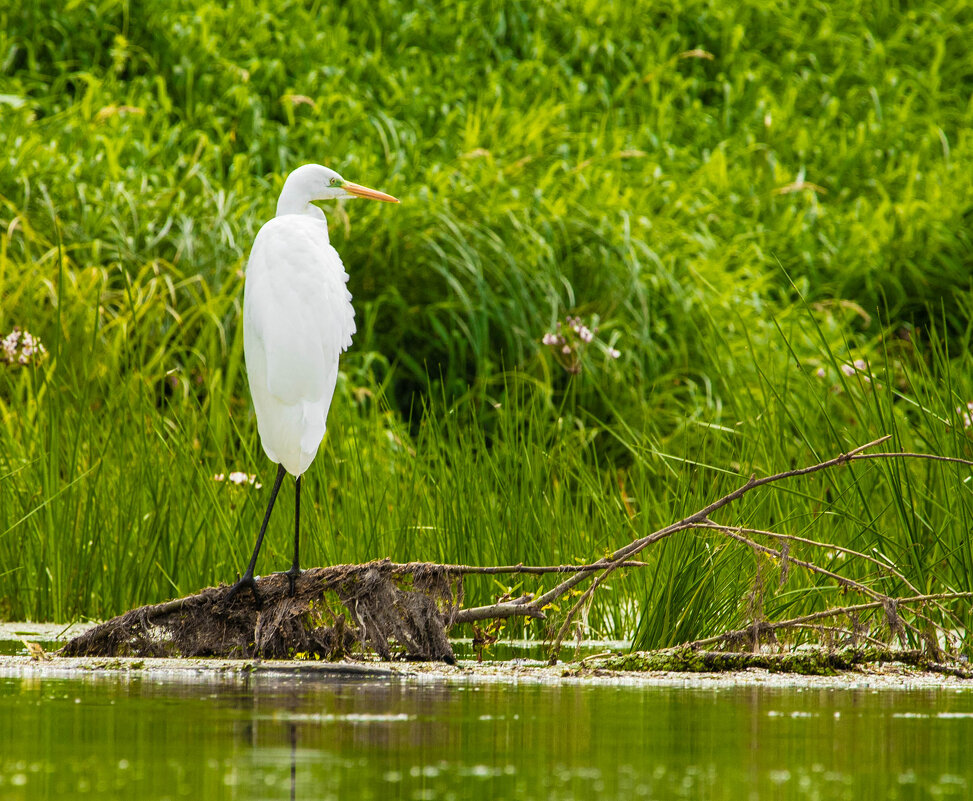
(377, 605)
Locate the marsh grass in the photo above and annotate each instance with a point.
(744, 195)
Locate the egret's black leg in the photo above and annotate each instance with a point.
(248, 582)
(295, 570)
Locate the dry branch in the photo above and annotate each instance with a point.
(536, 570)
(701, 518)
(735, 532)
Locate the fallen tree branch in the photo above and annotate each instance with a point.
(811, 567)
(805, 661)
(733, 531)
(610, 563)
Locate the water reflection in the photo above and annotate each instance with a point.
(292, 728)
(381, 739)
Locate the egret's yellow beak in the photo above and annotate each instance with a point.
(364, 191)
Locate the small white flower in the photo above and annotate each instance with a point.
(21, 347)
(549, 339)
(566, 349)
(847, 369)
(584, 333)
(10, 343)
(821, 373)
(613, 353)
(239, 478)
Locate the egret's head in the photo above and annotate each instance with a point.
(314, 182)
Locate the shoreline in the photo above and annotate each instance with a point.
(887, 677)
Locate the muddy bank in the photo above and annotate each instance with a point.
(887, 677)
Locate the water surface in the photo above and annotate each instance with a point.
(114, 737)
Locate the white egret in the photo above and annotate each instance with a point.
(297, 320)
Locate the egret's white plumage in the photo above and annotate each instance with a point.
(297, 320)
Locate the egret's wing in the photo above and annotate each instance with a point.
(297, 306)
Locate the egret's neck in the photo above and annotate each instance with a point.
(297, 203)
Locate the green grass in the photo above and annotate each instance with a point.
(743, 194)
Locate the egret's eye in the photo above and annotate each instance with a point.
(334, 181)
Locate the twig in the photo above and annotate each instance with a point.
(904, 455)
(824, 615)
(886, 566)
(521, 607)
(562, 632)
(845, 632)
(411, 567)
(612, 562)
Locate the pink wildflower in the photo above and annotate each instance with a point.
(857, 366)
(966, 415)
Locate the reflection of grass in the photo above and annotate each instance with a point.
(744, 196)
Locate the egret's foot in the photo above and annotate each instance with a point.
(292, 576)
(248, 582)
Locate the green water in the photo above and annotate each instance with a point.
(113, 737)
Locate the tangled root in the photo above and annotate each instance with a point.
(389, 609)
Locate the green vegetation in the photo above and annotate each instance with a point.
(747, 197)
(808, 661)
